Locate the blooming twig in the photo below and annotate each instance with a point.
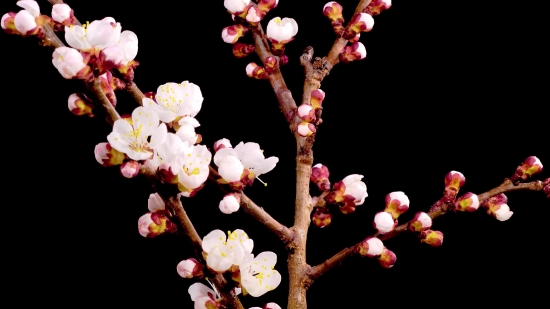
(507, 186)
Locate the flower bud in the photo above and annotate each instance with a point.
(25, 23)
(387, 258)
(356, 51)
(154, 224)
(377, 6)
(530, 167)
(384, 222)
(270, 64)
(129, 169)
(283, 59)
(167, 174)
(110, 58)
(7, 23)
(267, 5)
(80, 105)
(396, 204)
(361, 22)
(222, 143)
(190, 268)
(230, 203)
(271, 305)
(453, 181)
(497, 207)
(70, 64)
(333, 10)
(63, 14)
(232, 34)
(107, 155)
(371, 247)
(306, 113)
(432, 238)
(546, 188)
(421, 222)
(241, 50)
(355, 39)
(306, 129)
(319, 176)
(317, 97)
(253, 16)
(155, 203)
(322, 217)
(467, 202)
(256, 71)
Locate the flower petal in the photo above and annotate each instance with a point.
(266, 166)
(214, 238)
(198, 289)
(145, 119)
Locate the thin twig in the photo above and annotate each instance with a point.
(338, 258)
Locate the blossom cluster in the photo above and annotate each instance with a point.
(279, 32)
(309, 112)
(254, 275)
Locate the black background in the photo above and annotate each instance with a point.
(446, 86)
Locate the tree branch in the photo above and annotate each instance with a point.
(338, 258)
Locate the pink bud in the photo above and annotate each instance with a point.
(387, 258)
(255, 71)
(497, 207)
(396, 204)
(80, 105)
(467, 202)
(530, 167)
(355, 39)
(155, 203)
(546, 188)
(371, 247)
(62, 13)
(333, 10)
(129, 169)
(361, 22)
(306, 112)
(232, 34)
(230, 203)
(270, 64)
(266, 6)
(453, 181)
(306, 129)
(377, 6)
(420, 222)
(154, 224)
(70, 63)
(319, 176)
(322, 217)
(356, 51)
(167, 174)
(384, 222)
(253, 15)
(24, 22)
(317, 97)
(272, 305)
(222, 143)
(432, 238)
(283, 59)
(107, 155)
(241, 50)
(190, 268)
(7, 23)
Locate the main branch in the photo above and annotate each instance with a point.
(338, 258)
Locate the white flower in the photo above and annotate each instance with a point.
(201, 295)
(68, 61)
(30, 6)
(242, 238)
(192, 169)
(173, 100)
(356, 188)
(281, 30)
(234, 6)
(99, 34)
(222, 143)
(61, 12)
(383, 222)
(186, 131)
(258, 275)
(155, 203)
(222, 252)
(170, 150)
(24, 21)
(229, 166)
(229, 204)
(128, 44)
(251, 157)
(503, 213)
(130, 136)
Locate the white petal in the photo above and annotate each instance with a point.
(102, 33)
(76, 37)
(222, 153)
(24, 21)
(159, 136)
(250, 154)
(352, 178)
(31, 6)
(214, 238)
(198, 289)
(155, 203)
(290, 21)
(129, 45)
(189, 121)
(231, 169)
(234, 248)
(146, 119)
(266, 166)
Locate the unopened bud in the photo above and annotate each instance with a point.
(377, 6)
(230, 203)
(306, 113)
(530, 167)
(129, 169)
(384, 222)
(319, 176)
(7, 23)
(272, 305)
(154, 224)
(283, 59)
(241, 50)
(396, 204)
(256, 71)
(306, 129)
(361, 22)
(155, 203)
(497, 206)
(453, 181)
(80, 105)
(190, 268)
(356, 51)
(371, 247)
(266, 6)
(107, 155)
(322, 217)
(387, 258)
(270, 64)
(233, 33)
(333, 10)
(63, 14)
(420, 222)
(432, 238)
(467, 202)
(222, 143)
(317, 97)
(546, 188)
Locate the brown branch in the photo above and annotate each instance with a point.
(338, 258)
